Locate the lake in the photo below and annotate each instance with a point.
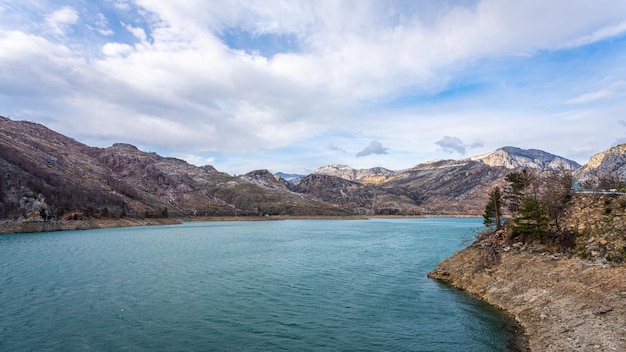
(292, 285)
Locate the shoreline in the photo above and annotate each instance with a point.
(8, 227)
(561, 304)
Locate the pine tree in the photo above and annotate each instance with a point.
(532, 219)
(493, 210)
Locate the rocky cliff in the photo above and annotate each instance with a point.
(609, 162)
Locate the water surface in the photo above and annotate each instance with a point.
(295, 285)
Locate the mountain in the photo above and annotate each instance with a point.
(291, 178)
(445, 187)
(44, 174)
(512, 158)
(611, 162)
(48, 175)
(373, 175)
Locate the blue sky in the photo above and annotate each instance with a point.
(293, 85)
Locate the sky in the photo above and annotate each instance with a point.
(294, 85)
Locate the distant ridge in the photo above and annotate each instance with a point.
(291, 178)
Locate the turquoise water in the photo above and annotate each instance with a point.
(295, 285)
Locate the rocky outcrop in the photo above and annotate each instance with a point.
(513, 158)
(566, 301)
(609, 162)
(373, 175)
(561, 304)
(265, 178)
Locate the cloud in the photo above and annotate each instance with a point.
(116, 49)
(476, 144)
(120, 4)
(375, 147)
(138, 32)
(197, 159)
(335, 148)
(60, 20)
(102, 25)
(592, 96)
(451, 144)
(455, 145)
(166, 69)
(598, 35)
(612, 90)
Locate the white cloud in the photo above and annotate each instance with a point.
(197, 159)
(60, 20)
(598, 35)
(612, 90)
(116, 49)
(592, 96)
(102, 25)
(177, 79)
(123, 5)
(138, 32)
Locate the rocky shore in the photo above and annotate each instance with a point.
(564, 303)
(27, 226)
(20, 226)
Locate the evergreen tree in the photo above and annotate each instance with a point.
(493, 210)
(532, 219)
(519, 182)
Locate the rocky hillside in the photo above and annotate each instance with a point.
(47, 175)
(448, 187)
(443, 187)
(514, 158)
(609, 162)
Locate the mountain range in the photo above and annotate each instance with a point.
(45, 174)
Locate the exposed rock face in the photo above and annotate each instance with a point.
(612, 161)
(374, 175)
(565, 301)
(561, 304)
(512, 158)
